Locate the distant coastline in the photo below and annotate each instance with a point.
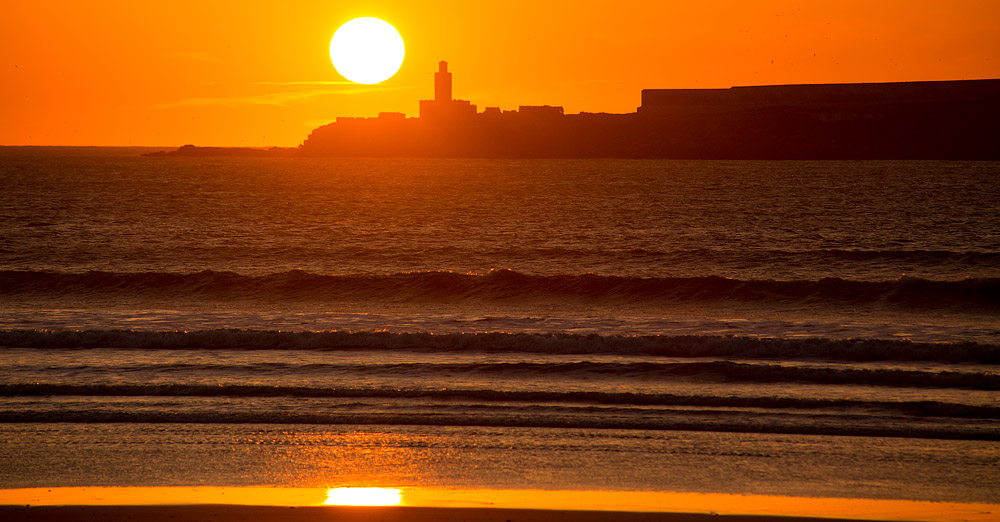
(905, 120)
(193, 151)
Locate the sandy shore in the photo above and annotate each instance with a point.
(221, 504)
(232, 513)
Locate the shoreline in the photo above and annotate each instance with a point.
(235, 513)
(239, 513)
(222, 504)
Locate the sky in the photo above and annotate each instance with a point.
(258, 73)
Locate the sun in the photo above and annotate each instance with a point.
(367, 50)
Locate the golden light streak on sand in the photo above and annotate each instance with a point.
(632, 501)
(364, 497)
(145, 496)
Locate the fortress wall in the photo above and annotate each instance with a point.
(688, 101)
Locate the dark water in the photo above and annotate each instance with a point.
(790, 221)
(782, 303)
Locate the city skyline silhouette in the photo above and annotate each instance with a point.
(901, 120)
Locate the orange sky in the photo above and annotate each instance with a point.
(258, 73)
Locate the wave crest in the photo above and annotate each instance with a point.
(659, 345)
(502, 285)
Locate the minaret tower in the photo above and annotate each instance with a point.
(442, 83)
(443, 108)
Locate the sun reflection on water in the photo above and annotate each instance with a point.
(364, 497)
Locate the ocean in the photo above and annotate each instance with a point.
(827, 328)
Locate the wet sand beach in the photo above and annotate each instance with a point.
(230, 513)
(220, 504)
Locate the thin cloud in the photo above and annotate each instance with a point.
(275, 98)
(318, 82)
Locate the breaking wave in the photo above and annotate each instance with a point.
(713, 371)
(591, 410)
(502, 285)
(922, 408)
(553, 343)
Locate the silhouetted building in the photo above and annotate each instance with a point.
(492, 112)
(443, 108)
(540, 111)
(392, 116)
(442, 83)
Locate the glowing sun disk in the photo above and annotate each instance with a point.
(367, 50)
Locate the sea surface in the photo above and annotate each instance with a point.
(825, 328)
